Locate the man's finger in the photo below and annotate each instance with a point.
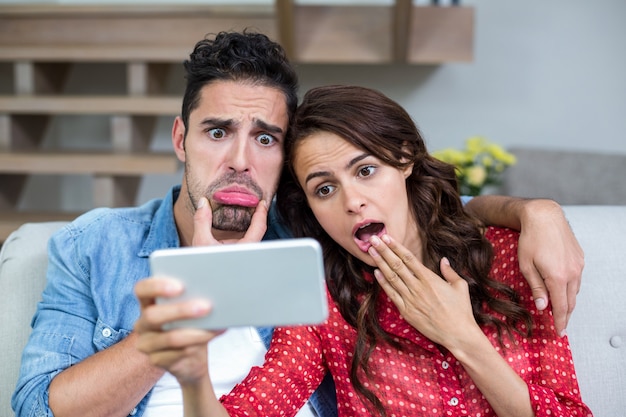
(202, 224)
(538, 287)
(147, 290)
(563, 305)
(258, 223)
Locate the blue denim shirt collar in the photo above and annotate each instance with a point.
(163, 232)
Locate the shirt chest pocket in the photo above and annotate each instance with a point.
(105, 336)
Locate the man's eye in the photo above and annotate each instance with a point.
(217, 133)
(266, 139)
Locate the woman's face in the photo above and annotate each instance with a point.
(354, 195)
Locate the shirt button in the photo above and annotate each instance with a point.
(616, 341)
(106, 332)
(454, 401)
(445, 365)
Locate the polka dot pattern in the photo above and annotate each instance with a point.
(419, 379)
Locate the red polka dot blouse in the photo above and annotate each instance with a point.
(419, 379)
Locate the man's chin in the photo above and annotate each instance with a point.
(232, 218)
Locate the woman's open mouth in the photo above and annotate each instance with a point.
(365, 231)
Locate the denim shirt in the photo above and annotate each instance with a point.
(88, 303)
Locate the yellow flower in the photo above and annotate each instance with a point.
(476, 175)
(480, 163)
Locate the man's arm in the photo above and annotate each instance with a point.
(61, 373)
(109, 383)
(549, 254)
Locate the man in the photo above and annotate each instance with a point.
(81, 358)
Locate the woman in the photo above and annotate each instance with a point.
(406, 334)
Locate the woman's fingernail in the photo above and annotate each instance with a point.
(386, 239)
(540, 303)
(374, 240)
(445, 261)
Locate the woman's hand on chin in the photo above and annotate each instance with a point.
(439, 308)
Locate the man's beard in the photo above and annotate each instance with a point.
(232, 218)
(225, 217)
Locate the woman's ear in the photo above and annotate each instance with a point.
(409, 168)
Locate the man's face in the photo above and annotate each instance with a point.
(233, 150)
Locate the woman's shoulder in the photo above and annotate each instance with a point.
(505, 264)
(502, 238)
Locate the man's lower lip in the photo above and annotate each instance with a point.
(236, 199)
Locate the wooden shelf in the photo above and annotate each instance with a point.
(68, 163)
(44, 44)
(94, 53)
(11, 220)
(153, 106)
(372, 34)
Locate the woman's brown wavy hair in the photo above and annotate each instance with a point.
(376, 124)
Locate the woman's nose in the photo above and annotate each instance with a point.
(355, 200)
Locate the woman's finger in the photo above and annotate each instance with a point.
(395, 273)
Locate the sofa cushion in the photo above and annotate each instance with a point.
(23, 262)
(597, 328)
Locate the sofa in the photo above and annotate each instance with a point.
(570, 177)
(597, 329)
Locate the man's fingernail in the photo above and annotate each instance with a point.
(202, 202)
(540, 303)
(173, 287)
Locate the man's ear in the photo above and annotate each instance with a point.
(178, 138)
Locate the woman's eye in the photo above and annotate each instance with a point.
(324, 190)
(366, 171)
(266, 139)
(217, 133)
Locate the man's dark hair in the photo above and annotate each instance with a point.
(239, 56)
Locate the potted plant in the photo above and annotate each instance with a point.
(479, 164)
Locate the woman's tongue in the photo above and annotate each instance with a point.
(362, 236)
(236, 197)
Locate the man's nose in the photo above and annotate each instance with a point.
(239, 158)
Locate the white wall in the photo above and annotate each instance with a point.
(546, 74)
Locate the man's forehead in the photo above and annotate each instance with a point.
(233, 100)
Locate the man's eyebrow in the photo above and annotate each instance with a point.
(352, 162)
(260, 124)
(268, 127)
(215, 121)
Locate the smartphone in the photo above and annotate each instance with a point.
(268, 283)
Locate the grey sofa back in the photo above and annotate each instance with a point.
(569, 177)
(23, 262)
(597, 329)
